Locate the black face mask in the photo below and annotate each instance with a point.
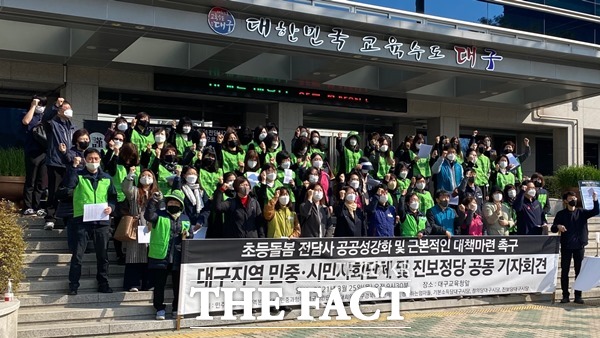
(83, 145)
(507, 151)
(170, 158)
(444, 203)
(537, 184)
(173, 209)
(471, 179)
(481, 150)
(207, 161)
(572, 203)
(143, 123)
(232, 144)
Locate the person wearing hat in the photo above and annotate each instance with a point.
(167, 230)
(350, 151)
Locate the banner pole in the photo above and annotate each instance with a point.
(178, 322)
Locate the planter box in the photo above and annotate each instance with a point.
(9, 314)
(11, 188)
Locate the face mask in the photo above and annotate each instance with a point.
(418, 145)
(271, 176)
(143, 123)
(481, 150)
(92, 166)
(284, 200)
(512, 193)
(262, 136)
(451, 157)
(232, 143)
(191, 179)
(506, 151)
(304, 134)
(471, 179)
(537, 184)
(244, 191)
(303, 151)
(146, 180)
(173, 209)
(497, 197)
(202, 142)
(391, 185)
(274, 145)
(285, 165)
(186, 129)
(502, 164)
(421, 186)
(315, 140)
(317, 164)
(383, 148)
(352, 142)
(83, 145)
(69, 113)
(472, 159)
(472, 207)
(383, 199)
(170, 158)
(403, 174)
(531, 192)
(160, 138)
(313, 178)
(444, 203)
(354, 184)
(317, 196)
(207, 161)
(572, 203)
(122, 126)
(39, 110)
(252, 164)
(414, 205)
(364, 171)
(118, 143)
(350, 197)
(230, 185)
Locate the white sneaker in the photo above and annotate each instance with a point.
(133, 290)
(49, 226)
(160, 315)
(29, 212)
(41, 213)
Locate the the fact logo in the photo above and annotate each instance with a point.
(310, 299)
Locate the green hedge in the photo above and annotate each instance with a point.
(12, 162)
(12, 246)
(569, 177)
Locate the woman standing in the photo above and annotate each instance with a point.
(497, 215)
(350, 218)
(282, 221)
(314, 215)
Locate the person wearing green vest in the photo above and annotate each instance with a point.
(300, 156)
(281, 219)
(258, 137)
(510, 148)
(502, 176)
(165, 168)
(272, 148)
(140, 133)
(542, 194)
(383, 158)
(230, 155)
(483, 168)
(209, 173)
(425, 199)
(349, 151)
(419, 165)
(316, 144)
(395, 192)
(90, 186)
(180, 136)
(413, 223)
(284, 164)
(168, 228)
(403, 176)
(152, 151)
(217, 218)
(268, 184)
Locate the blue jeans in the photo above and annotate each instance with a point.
(78, 243)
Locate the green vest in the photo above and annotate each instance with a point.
(351, 158)
(411, 227)
(118, 179)
(84, 193)
(403, 184)
(312, 150)
(482, 170)
(271, 155)
(502, 180)
(231, 160)
(425, 201)
(271, 190)
(256, 147)
(280, 176)
(209, 181)
(383, 167)
(163, 183)
(181, 144)
(141, 141)
(543, 199)
(160, 236)
(422, 166)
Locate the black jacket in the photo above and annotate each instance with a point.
(240, 222)
(576, 236)
(309, 215)
(348, 226)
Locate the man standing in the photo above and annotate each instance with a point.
(531, 219)
(573, 227)
(35, 159)
(90, 186)
(441, 214)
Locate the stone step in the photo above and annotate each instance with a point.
(59, 245)
(85, 297)
(51, 258)
(92, 312)
(36, 233)
(61, 285)
(87, 269)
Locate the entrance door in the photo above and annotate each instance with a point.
(544, 157)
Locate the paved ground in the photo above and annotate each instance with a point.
(510, 321)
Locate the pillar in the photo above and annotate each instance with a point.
(443, 125)
(568, 145)
(287, 116)
(82, 92)
(401, 131)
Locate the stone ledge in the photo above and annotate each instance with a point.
(9, 314)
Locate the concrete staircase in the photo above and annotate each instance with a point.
(46, 310)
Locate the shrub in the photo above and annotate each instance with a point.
(12, 246)
(551, 185)
(569, 177)
(13, 162)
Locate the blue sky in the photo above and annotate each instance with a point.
(467, 10)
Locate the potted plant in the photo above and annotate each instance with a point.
(567, 177)
(12, 174)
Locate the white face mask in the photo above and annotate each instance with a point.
(146, 180)
(317, 196)
(122, 126)
(118, 144)
(285, 165)
(313, 178)
(160, 138)
(421, 186)
(354, 184)
(383, 199)
(252, 164)
(262, 136)
(502, 164)
(284, 199)
(230, 185)
(92, 166)
(414, 205)
(451, 157)
(403, 174)
(352, 142)
(69, 113)
(497, 197)
(202, 142)
(383, 148)
(315, 140)
(274, 145)
(531, 192)
(39, 109)
(271, 177)
(186, 129)
(512, 193)
(472, 207)
(304, 134)
(191, 179)
(317, 164)
(418, 145)
(351, 197)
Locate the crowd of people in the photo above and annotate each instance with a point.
(250, 184)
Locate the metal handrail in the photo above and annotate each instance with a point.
(425, 19)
